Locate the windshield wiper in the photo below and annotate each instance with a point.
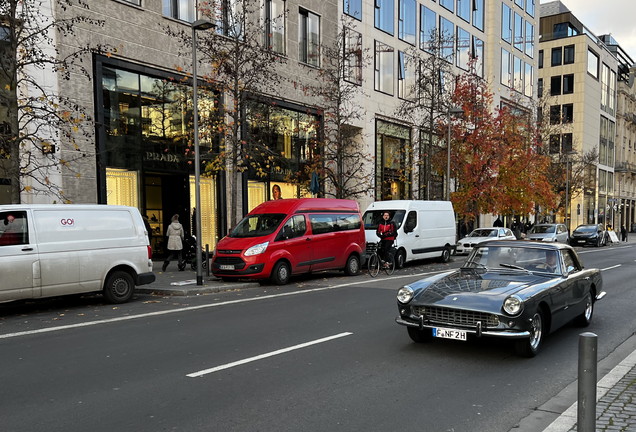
(512, 266)
(477, 265)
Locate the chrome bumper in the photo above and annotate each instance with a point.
(478, 331)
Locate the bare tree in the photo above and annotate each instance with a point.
(341, 158)
(243, 65)
(42, 133)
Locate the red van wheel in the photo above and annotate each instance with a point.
(353, 266)
(281, 273)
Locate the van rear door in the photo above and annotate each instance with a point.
(19, 263)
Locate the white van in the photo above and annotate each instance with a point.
(52, 250)
(426, 229)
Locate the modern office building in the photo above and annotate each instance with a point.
(579, 74)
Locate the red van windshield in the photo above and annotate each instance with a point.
(257, 225)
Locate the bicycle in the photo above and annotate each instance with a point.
(376, 263)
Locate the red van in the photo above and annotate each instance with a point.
(291, 236)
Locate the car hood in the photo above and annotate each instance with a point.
(476, 239)
(583, 235)
(540, 236)
(472, 289)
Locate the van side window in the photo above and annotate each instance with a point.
(294, 227)
(411, 221)
(322, 223)
(348, 222)
(13, 228)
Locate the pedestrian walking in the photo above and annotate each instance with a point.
(623, 233)
(175, 243)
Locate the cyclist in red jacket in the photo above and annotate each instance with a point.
(387, 231)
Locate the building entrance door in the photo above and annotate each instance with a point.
(166, 195)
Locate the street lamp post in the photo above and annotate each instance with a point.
(451, 110)
(197, 25)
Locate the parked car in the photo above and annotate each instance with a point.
(465, 245)
(592, 235)
(549, 233)
(426, 229)
(51, 250)
(291, 236)
(516, 290)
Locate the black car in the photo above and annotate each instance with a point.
(508, 289)
(590, 234)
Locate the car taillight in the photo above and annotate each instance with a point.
(149, 252)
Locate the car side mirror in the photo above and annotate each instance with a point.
(571, 269)
(409, 227)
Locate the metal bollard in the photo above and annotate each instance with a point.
(586, 408)
(207, 260)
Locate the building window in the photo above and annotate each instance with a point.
(392, 159)
(135, 2)
(406, 76)
(275, 28)
(448, 4)
(519, 3)
(229, 20)
(505, 68)
(555, 143)
(407, 21)
(555, 114)
(612, 94)
(428, 26)
(605, 76)
(529, 81)
(463, 9)
(353, 56)
(463, 48)
(556, 57)
(540, 59)
(506, 23)
(610, 144)
(566, 142)
(530, 7)
(592, 63)
(518, 74)
(353, 8)
(519, 32)
(529, 39)
(568, 54)
(540, 88)
(383, 68)
(478, 56)
(568, 113)
(447, 36)
(478, 14)
(602, 149)
(309, 38)
(384, 15)
(555, 85)
(184, 10)
(568, 84)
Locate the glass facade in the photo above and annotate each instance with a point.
(383, 68)
(309, 38)
(463, 48)
(447, 35)
(353, 8)
(428, 28)
(407, 21)
(353, 56)
(385, 15)
(506, 23)
(393, 156)
(406, 76)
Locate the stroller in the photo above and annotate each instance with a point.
(190, 254)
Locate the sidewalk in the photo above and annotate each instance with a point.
(184, 283)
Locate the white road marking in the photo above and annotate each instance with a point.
(191, 308)
(599, 250)
(609, 268)
(262, 356)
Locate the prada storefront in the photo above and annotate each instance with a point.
(145, 153)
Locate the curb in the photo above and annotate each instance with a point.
(191, 290)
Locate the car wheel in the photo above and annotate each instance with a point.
(353, 265)
(446, 253)
(281, 273)
(119, 287)
(585, 318)
(420, 336)
(400, 259)
(530, 347)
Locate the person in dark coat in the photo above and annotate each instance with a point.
(623, 233)
(148, 229)
(498, 223)
(387, 231)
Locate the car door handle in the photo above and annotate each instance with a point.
(308, 239)
(417, 235)
(587, 278)
(27, 249)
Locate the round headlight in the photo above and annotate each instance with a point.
(513, 305)
(405, 294)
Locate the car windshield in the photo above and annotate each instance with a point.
(372, 218)
(257, 225)
(483, 233)
(585, 229)
(543, 229)
(505, 258)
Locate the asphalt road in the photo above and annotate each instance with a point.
(322, 353)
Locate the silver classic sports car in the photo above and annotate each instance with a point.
(510, 289)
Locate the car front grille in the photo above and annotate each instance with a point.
(228, 260)
(457, 317)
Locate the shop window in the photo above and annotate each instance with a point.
(122, 187)
(393, 157)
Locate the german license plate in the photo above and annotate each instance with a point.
(581, 241)
(449, 333)
(226, 266)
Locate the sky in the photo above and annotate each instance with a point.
(617, 17)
